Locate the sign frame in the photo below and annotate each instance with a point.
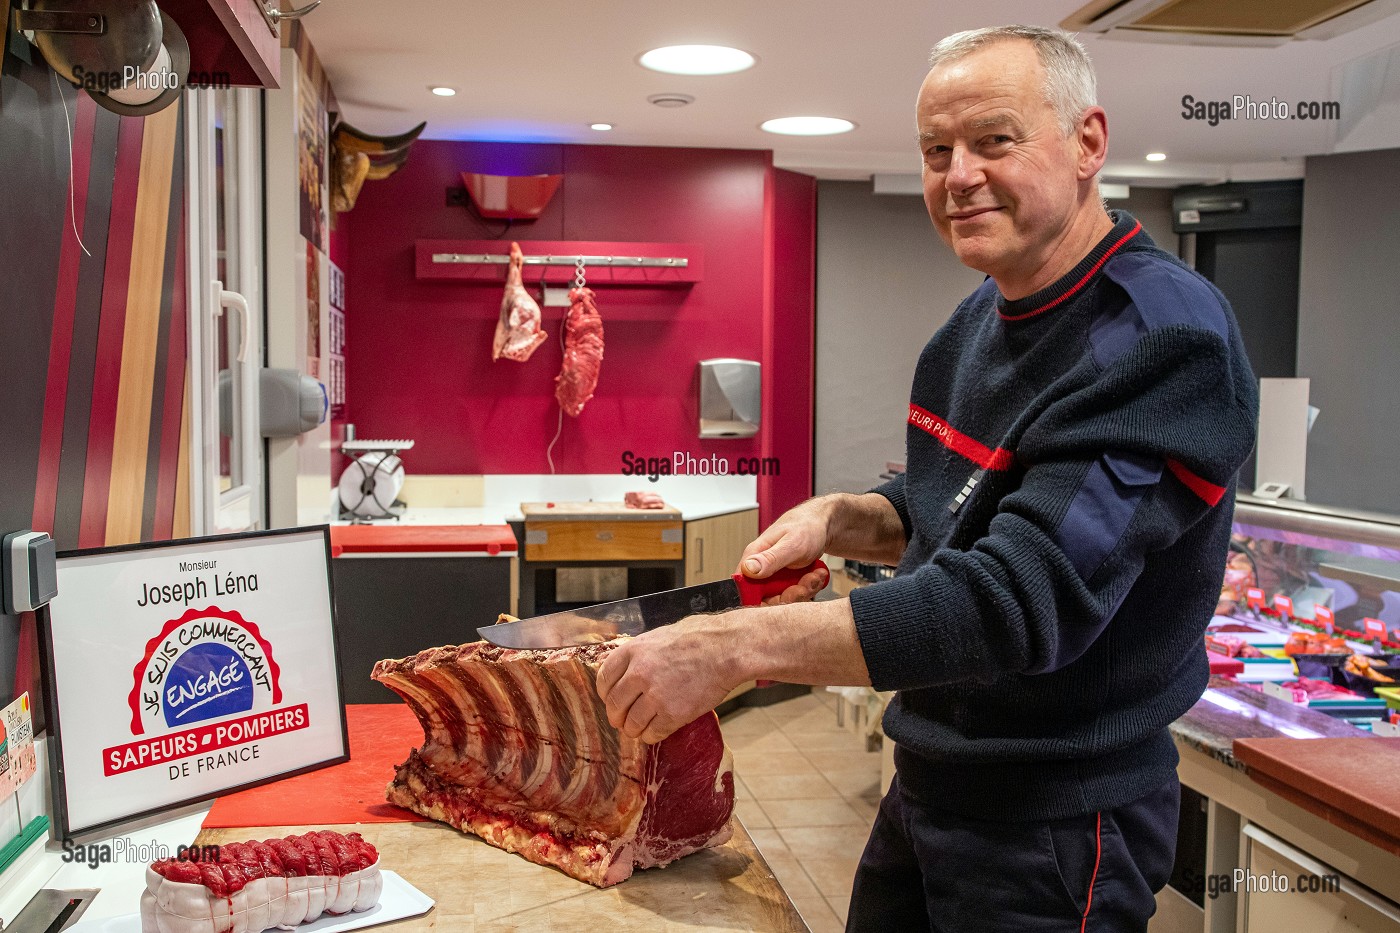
(49, 685)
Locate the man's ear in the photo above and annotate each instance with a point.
(1092, 137)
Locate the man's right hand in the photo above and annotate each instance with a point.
(796, 539)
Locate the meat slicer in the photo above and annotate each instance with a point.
(369, 487)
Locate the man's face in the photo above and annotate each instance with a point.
(1000, 179)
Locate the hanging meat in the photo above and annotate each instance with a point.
(518, 332)
(583, 352)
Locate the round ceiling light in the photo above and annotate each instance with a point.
(601, 127)
(697, 60)
(444, 91)
(807, 126)
(1156, 157)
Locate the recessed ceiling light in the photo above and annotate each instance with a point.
(602, 127)
(443, 91)
(696, 60)
(1156, 157)
(807, 126)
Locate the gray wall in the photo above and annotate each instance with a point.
(885, 283)
(1152, 206)
(1349, 328)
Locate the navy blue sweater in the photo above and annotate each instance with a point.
(1071, 457)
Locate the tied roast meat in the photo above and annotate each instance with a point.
(518, 332)
(583, 352)
(255, 886)
(519, 751)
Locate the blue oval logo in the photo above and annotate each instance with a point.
(207, 681)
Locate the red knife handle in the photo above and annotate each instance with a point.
(753, 592)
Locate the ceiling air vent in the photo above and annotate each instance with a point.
(1210, 22)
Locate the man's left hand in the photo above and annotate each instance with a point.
(666, 678)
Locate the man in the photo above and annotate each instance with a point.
(1073, 436)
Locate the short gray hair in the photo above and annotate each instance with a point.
(1070, 86)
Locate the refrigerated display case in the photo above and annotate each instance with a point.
(1311, 597)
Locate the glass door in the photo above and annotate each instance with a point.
(226, 308)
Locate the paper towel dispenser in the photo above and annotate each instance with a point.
(730, 398)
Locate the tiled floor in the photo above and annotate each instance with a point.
(807, 793)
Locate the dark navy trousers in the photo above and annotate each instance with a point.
(928, 869)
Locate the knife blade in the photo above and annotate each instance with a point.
(592, 624)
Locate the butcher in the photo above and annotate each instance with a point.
(1073, 438)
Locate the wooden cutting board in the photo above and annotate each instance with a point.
(478, 887)
(594, 511)
(1348, 782)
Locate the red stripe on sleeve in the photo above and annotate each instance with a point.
(1210, 493)
(958, 442)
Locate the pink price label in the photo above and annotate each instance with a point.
(1284, 604)
(1254, 597)
(1324, 617)
(1375, 628)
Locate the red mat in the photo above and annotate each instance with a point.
(381, 736)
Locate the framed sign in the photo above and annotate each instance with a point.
(179, 671)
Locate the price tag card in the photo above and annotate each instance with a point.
(1374, 628)
(1324, 617)
(16, 746)
(1284, 604)
(1278, 692)
(1254, 598)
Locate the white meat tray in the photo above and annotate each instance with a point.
(398, 899)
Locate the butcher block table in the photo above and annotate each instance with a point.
(480, 888)
(599, 534)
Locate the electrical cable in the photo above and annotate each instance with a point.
(72, 204)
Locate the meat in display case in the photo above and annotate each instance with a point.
(1310, 606)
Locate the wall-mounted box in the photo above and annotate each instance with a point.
(730, 397)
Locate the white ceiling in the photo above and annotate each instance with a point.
(542, 70)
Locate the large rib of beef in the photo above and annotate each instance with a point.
(518, 332)
(583, 352)
(518, 750)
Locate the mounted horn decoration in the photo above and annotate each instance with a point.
(129, 56)
(357, 156)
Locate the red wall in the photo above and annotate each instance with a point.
(790, 341)
(419, 353)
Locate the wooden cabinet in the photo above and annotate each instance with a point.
(591, 541)
(714, 545)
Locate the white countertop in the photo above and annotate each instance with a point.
(121, 880)
(696, 497)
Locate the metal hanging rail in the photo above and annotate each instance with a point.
(630, 262)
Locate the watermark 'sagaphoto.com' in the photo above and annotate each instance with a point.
(131, 78)
(128, 850)
(1245, 107)
(1242, 879)
(681, 463)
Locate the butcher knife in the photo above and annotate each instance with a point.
(593, 624)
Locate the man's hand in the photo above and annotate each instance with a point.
(796, 539)
(661, 680)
